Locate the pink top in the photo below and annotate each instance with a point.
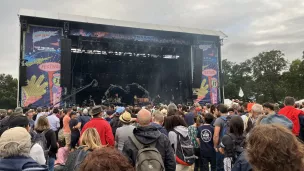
(62, 155)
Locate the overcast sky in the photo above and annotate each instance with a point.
(252, 26)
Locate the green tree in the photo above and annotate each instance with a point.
(8, 91)
(266, 71)
(237, 76)
(294, 79)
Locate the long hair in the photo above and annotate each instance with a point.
(90, 139)
(42, 124)
(236, 126)
(274, 148)
(173, 121)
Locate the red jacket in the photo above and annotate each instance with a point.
(103, 128)
(293, 114)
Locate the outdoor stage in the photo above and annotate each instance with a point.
(131, 62)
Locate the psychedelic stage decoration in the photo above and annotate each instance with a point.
(209, 91)
(42, 60)
(118, 36)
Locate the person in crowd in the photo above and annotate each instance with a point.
(192, 132)
(115, 122)
(274, 148)
(231, 111)
(292, 113)
(66, 128)
(212, 109)
(172, 108)
(256, 112)
(158, 121)
(3, 114)
(54, 121)
(273, 118)
(189, 117)
(219, 131)
(233, 142)
(177, 127)
(74, 127)
(18, 110)
(29, 115)
(204, 138)
(36, 151)
(268, 109)
(89, 141)
(40, 113)
(84, 118)
(105, 157)
(125, 131)
(15, 145)
(43, 128)
(147, 134)
(102, 126)
(61, 156)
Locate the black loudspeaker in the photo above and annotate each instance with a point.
(22, 79)
(66, 63)
(197, 67)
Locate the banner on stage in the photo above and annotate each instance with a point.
(42, 59)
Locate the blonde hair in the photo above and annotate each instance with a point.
(42, 124)
(90, 139)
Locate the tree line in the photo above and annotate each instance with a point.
(267, 77)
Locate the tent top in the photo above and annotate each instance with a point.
(114, 22)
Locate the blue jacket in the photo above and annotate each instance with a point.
(160, 128)
(20, 163)
(241, 164)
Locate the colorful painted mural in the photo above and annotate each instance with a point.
(42, 58)
(209, 90)
(140, 38)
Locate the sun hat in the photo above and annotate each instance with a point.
(125, 117)
(17, 135)
(95, 110)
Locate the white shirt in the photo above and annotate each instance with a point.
(37, 154)
(54, 122)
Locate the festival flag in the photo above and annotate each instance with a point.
(241, 93)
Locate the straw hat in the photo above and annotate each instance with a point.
(125, 117)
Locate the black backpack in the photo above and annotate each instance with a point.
(148, 157)
(238, 147)
(185, 149)
(39, 138)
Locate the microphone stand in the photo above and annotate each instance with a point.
(94, 83)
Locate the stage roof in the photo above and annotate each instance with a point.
(114, 22)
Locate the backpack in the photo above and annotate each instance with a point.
(39, 138)
(238, 148)
(148, 157)
(185, 149)
(226, 125)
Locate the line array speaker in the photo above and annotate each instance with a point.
(197, 67)
(66, 63)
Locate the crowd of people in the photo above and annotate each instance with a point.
(236, 137)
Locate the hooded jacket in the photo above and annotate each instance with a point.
(115, 123)
(293, 114)
(241, 164)
(20, 163)
(160, 128)
(148, 135)
(173, 140)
